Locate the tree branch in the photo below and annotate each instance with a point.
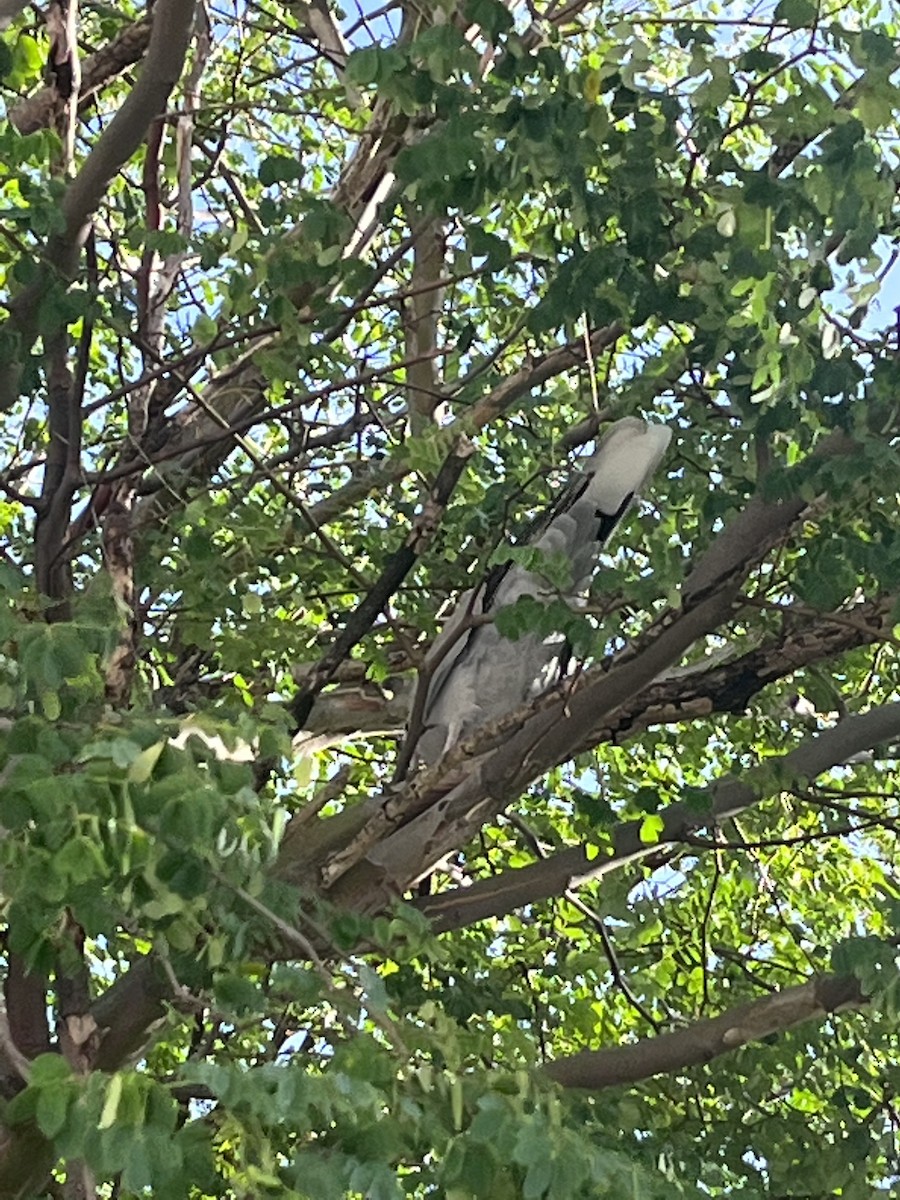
(436, 814)
(422, 313)
(574, 866)
(127, 48)
(25, 996)
(162, 68)
(703, 1041)
(404, 558)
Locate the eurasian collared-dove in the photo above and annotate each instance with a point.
(483, 675)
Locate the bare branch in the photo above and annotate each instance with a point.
(25, 996)
(61, 478)
(10, 9)
(12, 1057)
(172, 24)
(422, 313)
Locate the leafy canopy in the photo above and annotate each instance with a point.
(284, 370)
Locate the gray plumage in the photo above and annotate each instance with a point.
(480, 675)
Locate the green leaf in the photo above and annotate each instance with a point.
(797, 14)
(651, 829)
(52, 1109)
(493, 17)
(278, 168)
(27, 61)
(141, 767)
(139, 1170)
(80, 861)
(367, 66)
(49, 1070)
(205, 329)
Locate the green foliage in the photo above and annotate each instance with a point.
(710, 193)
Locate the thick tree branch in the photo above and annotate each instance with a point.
(10, 9)
(25, 996)
(169, 39)
(706, 1040)
(434, 815)
(123, 51)
(445, 806)
(61, 476)
(127, 1010)
(553, 875)
(728, 687)
(161, 70)
(318, 27)
(15, 1068)
(26, 1158)
(422, 312)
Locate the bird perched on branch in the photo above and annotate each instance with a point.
(473, 674)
